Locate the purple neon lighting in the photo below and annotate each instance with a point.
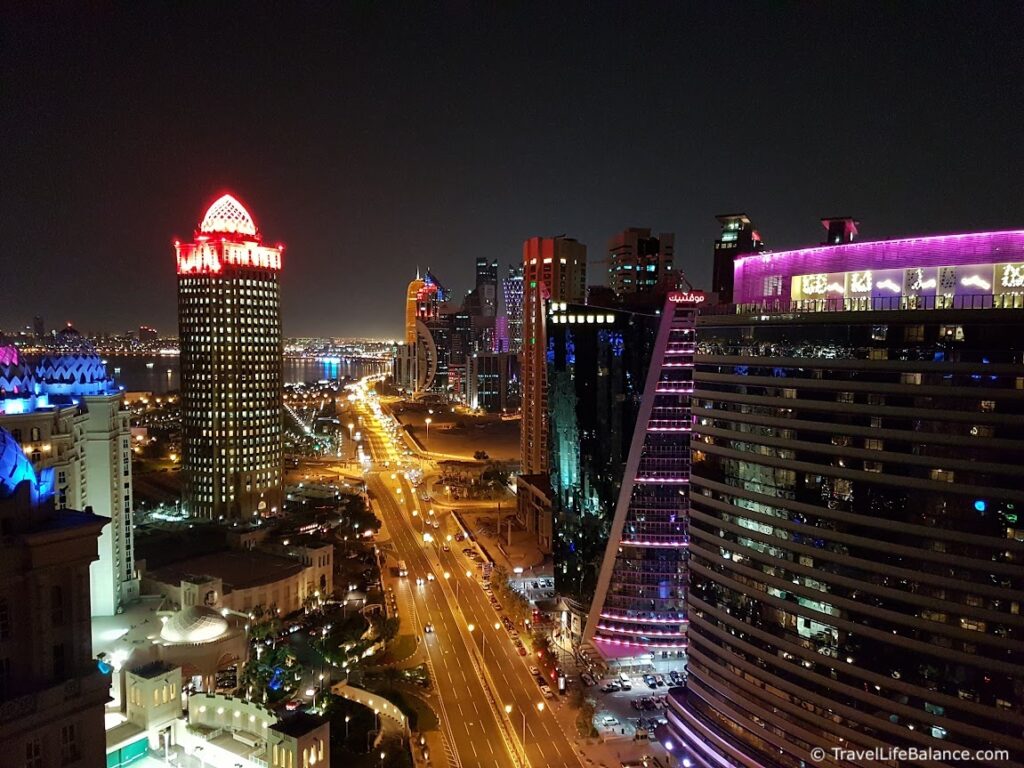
(936, 251)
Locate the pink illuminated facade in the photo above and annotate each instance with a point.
(969, 270)
(639, 607)
(229, 321)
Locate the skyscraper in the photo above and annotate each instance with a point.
(639, 263)
(855, 543)
(412, 299)
(738, 237)
(51, 693)
(597, 366)
(554, 269)
(487, 285)
(229, 323)
(512, 293)
(639, 605)
(38, 327)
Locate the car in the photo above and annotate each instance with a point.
(587, 679)
(546, 692)
(419, 581)
(293, 705)
(625, 685)
(608, 721)
(609, 687)
(659, 679)
(522, 651)
(430, 577)
(651, 682)
(428, 628)
(534, 671)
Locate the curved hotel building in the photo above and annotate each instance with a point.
(855, 557)
(229, 321)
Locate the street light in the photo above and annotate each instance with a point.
(347, 718)
(382, 755)
(428, 420)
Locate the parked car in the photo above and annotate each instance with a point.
(546, 692)
(651, 682)
(534, 671)
(587, 679)
(609, 687)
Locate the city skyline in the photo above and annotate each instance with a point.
(396, 386)
(453, 133)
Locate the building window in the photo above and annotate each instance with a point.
(69, 752)
(33, 754)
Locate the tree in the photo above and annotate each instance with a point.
(389, 629)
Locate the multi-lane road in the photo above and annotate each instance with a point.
(479, 728)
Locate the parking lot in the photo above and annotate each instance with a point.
(621, 711)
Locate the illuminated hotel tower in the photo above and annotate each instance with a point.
(639, 606)
(229, 321)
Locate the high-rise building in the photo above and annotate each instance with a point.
(639, 263)
(738, 237)
(52, 694)
(598, 363)
(487, 285)
(147, 333)
(38, 327)
(639, 605)
(554, 269)
(855, 542)
(487, 380)
(412, 300)
(512, 293)
(69, 416)
(229, 324)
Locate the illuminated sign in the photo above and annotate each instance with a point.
(687, 297)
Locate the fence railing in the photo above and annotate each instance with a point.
(869, 304)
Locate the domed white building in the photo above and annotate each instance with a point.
(195, 624)
(202, 641)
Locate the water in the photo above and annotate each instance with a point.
(161, 374)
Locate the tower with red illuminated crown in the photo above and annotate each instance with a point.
(229, 323)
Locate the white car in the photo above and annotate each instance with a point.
(419, 581)
(534, 671)
(546, 692)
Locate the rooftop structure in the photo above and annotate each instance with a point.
(975, 270)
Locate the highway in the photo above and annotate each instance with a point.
(451, 606)
(471, 725)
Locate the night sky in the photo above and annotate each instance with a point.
(391, 135)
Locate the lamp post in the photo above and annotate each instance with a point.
(347, 719)
(426, 421)
(382, 756)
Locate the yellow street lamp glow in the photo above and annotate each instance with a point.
(540, 706)
(497, 625)
(508, 709)
(447, 575)
(469, 574)
(471, 627)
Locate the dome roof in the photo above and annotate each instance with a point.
(195, 624)
(15, 467)
(227, 215)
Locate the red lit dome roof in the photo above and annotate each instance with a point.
(227, 215)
